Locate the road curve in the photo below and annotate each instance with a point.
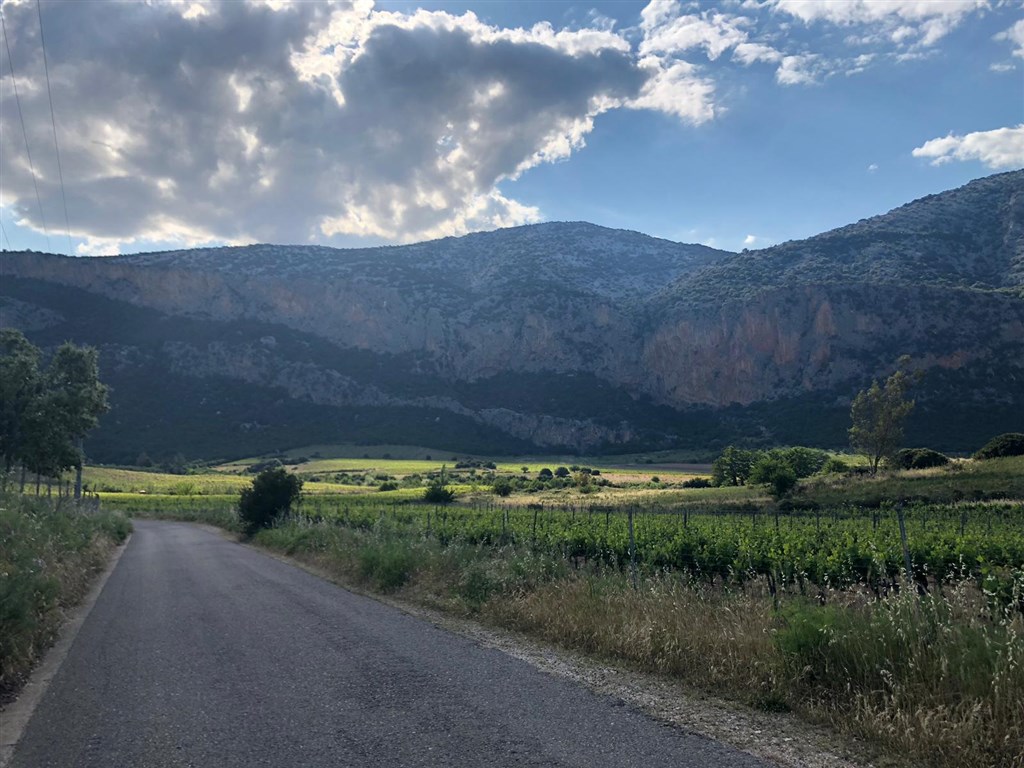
(203, 652)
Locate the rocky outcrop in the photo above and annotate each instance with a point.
(678, 325)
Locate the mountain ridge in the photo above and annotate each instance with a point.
(651, 342)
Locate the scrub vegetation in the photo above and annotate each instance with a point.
(49, 556)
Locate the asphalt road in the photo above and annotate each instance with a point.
(203, 652)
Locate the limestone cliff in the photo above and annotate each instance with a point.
(613, 337)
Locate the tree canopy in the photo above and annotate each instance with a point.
(878, 414)
(45, 413)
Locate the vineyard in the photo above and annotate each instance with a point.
(835, 548)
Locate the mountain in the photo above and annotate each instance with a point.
(558, 336)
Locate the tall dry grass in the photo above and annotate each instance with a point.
(937, 680)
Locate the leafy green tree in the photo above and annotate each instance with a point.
(733, 466)
(878, 414)
(270, 498)
(20, 384)
(774, 471)
(45, 415)
(79, 398)
(804, 461)
(45, 448)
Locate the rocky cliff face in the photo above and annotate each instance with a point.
(655, 327)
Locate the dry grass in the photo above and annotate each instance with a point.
(937, 681)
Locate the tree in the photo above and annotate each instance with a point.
(79, 397)
(270, 497)
(774, 471)
(878, 414)
(733, 466)
(44, 416)
(20, 384)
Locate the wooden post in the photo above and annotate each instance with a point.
(632, 549)
(903, 539)
(78, 471)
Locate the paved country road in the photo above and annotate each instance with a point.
(203, 652)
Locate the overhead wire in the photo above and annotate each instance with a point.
(53, 122)
(24, 132)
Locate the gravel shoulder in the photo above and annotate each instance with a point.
(780, 739)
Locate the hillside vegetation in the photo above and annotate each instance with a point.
(559, 337)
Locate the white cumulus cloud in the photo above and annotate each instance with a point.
(919, 22)
(234, 122)
(1000, 148)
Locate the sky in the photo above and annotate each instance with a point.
(736, 124)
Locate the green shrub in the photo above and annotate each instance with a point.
(774, 472)
(389, 564)
(803, 461)
(919, 458)
(437, 491)
(697, 482)
(1008, 444)
(834, 466)
(271, 497)
(502, 486)
(388, 485)
(48, 557)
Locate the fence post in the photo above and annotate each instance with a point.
(903, 540)
(632, 549)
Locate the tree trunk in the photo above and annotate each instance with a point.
(78, 472)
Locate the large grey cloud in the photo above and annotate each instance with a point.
(239, 121)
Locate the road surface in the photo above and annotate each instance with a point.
(203, 652)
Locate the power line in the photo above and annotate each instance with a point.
(3, 230)
(53, 122)
(21, 116)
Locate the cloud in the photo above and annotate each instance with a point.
(1002, 67)
(750, 240)
(873, 167)
(667, 33)
(903, 22)
(291, 122)
(802, 69)
(1000, 148)
(675, 88)
(1015, 35)
(751, 53)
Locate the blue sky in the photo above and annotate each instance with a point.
(736, 124)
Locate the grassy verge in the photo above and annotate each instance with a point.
(937, 681)
(48, 559)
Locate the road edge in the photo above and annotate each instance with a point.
(16, 715)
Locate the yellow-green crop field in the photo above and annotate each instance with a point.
(108, 481)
